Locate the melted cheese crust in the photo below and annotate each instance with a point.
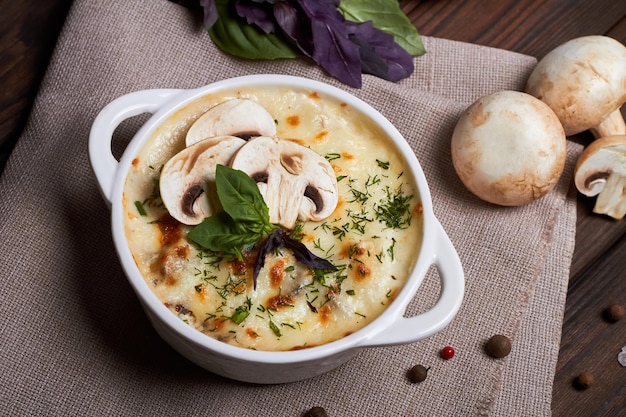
(292, 307)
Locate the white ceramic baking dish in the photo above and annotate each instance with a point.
(390, 328)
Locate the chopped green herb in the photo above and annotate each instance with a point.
(394, 211)
(383, 165)
(275, 329)
(140, 209)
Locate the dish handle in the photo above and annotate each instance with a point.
(110, 117)
(411, 329)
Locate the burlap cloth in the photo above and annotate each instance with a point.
(73, 338)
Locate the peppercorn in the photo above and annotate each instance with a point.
(584, 380)
(316, 412)
(447, 352)
(614, 312)
(418, 373)
(498, 346)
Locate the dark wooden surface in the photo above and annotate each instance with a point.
(28, 31)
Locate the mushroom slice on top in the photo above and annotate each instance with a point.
(295, 181)
(236, 117)
(189, 176)
(601, 170)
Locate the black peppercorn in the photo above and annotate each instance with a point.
(614, 312)
(418, 373)
(498, 346)
(584, 380)
(316, 412)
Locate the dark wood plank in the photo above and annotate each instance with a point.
(598, 272)
(591, 343)
(532, 27)
(28, 32)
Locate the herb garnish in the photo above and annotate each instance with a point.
(245, 221)
(394, 212)
(346, 38)
(245, 218)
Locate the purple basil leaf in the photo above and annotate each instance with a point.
(380, 54)
(293, 25)
(190, 4)
(305, 256)
(333, 50)
(210, 13)
(279, 238)
(256, 13)
(371, 63)
(270, 244)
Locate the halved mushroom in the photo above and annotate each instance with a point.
(236, 117)
(190, 175)
(601, 170)
(295, 181)
(584, 82)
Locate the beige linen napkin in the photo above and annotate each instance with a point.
(73, 338)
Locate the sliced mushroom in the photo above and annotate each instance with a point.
(584, 82)
(295, 181)
(601, 170)
(236, 117)
(189, 176)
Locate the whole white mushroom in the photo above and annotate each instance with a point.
(584, 83)
(509, 148)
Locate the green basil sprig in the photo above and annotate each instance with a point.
(244, 221)
(245, 218)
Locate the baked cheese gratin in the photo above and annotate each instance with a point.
(272, 218)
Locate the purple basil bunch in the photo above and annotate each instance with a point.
(340, 36)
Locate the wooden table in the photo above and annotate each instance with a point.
(28, 32)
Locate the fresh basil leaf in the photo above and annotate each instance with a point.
(240, 196)
(234, 36)
(221, 234)
(388, 17)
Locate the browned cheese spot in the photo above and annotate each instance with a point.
(362, 272)
(170, 229)
(293, 120)
(238, 267)
(279, 301)
(251, 333)
(277, 273)
(201, 291)
(324, 314)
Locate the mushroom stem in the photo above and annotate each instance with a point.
(612, 199)
(613, 125)
(601, 170)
